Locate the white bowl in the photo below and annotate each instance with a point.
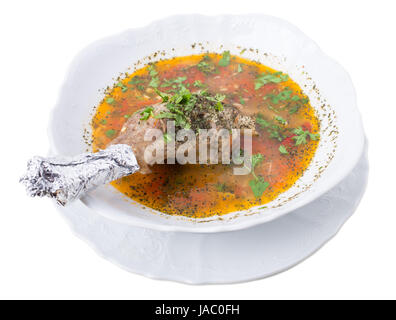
(269, 40)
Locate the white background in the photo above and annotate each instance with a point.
(41, 258)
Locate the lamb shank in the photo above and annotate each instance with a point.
(66, 179)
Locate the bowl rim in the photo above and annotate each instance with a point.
(242, 223)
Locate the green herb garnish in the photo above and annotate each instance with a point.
(275, 131)
(155, 81)
(152, 71)
(167, 137)
(123, 87)
(294, 109)
(284, 95)
(225, 59)
(221, 187)
(218, 98)
(256, 160)
(182, 103)
(301, 136)
(283, 150)
(173, 82)
(258, 186)
(206, 65)
(265, 78)
(147, 113)
(199, 84)
(110, 133)
(110, 100)
(280, 120)
(135, 80)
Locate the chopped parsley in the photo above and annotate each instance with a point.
(172, 82)
(258, 184)
(265, 78)
(284, 95)
(146, 113)
(206, 65)
(199, 84)
(275, 131)
(301, 136)
(225, 59)
(155, 81)
(110, 133)
(218, 98)
(135, 80)
(167, 137)
(256, 160)
(123, 87)
(110, 100)
(221, 187)
(283, 150)
(280, 120)
(152, 71)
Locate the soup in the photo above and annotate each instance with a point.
(286, 140)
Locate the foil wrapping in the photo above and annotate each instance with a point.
(68, 178)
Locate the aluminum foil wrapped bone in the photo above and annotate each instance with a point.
(68, 178)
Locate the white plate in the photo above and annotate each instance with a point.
(279, 45)
(225, 257)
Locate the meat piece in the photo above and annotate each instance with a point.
(203, 116)
(134, 130)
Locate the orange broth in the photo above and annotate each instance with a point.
(201, 191)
